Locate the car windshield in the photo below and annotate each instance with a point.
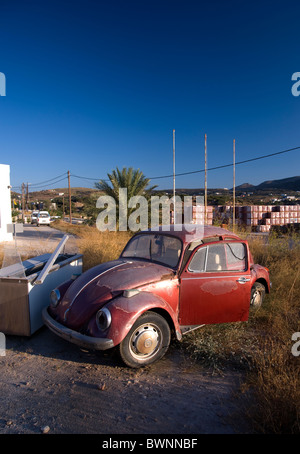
(155, 247)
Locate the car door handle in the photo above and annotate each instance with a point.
(243, 280)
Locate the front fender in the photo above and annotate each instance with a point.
(125, 311)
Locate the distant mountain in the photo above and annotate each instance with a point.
(288, 184)
(245, 186)
(285, 184)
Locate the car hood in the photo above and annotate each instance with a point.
(100, 284)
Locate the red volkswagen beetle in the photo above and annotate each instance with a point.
(164, 282)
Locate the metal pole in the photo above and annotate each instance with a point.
(23, 202)
(70, 202)
(174, 175)
(233, 214)
(205, 184)
(27, 197)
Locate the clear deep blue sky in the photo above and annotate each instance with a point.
(91, 85)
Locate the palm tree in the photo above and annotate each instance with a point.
(133, 180)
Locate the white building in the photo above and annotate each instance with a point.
(5, 203)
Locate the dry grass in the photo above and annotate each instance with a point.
(96, 247)
(263, 344)
(275, 377)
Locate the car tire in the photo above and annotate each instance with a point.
(258, 292)
(147, 341)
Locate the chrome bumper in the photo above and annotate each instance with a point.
(93, 343)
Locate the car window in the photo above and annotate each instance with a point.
(216, 259)
(236, 256)
(155, 247)
(219, 257)
(198, 261)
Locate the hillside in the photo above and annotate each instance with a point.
(288, 184)
(285, 184)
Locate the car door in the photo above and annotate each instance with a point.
(215, 285)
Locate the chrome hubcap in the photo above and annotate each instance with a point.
(256, 298)
(145, 341)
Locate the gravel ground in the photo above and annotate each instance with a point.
(51, 386)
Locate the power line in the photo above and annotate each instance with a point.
(226, 165)
(47, 181)
(88, 178)
(58, 179)
(203, 170)
(50, 184)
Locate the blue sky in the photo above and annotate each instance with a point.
(91, 85)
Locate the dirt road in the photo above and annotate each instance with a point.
(50, 385)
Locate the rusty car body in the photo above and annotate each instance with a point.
(164, 282)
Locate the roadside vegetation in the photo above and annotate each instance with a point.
(96, 247)
(261, 347)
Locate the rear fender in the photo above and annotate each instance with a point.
(261, 274)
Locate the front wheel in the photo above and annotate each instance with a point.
(147, 341)
(258, 292)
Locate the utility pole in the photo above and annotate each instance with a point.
(70, 197)
(233, 214)
(205, 184)
(27, 197)
(174, 176)
(23, 202)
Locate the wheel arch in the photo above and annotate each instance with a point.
(125, 312)
(166, 315)
(263, 281)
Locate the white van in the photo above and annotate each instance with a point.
(43, 218)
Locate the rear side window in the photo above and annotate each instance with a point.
(219, 257)
(236, 256)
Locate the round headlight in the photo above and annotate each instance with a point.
(54, 297)
(103, 319)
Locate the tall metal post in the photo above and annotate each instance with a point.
(70, 202)
(205, 184)
(174, 176)
(233, 214)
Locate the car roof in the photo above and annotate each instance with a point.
(193, 232)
